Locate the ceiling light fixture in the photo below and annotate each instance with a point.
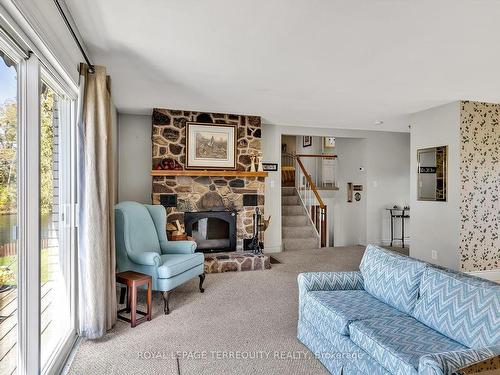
(380, 122)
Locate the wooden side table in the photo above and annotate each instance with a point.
(133, 280)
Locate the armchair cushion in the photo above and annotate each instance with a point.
(179, 247)
(398, 342)
(175, 264)
(342, 307)
(147, 258)
(449, 362)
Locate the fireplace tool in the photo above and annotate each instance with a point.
(259, 226)
(256, 244)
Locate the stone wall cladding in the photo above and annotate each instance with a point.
(480, 186)
(207, 193)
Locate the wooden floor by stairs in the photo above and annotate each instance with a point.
(297, 230)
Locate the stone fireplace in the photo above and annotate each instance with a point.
(204, 194)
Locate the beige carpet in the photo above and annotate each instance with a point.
(252, 315)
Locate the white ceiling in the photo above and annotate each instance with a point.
(329, 63)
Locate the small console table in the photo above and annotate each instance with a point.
(133, 280)
(398, 213)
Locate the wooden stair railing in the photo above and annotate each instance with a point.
(318, 212)
(287, 169)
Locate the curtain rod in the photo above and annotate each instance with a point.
(66, 21)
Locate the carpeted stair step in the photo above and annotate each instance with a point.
(295, 221)
(288, 191)
(306, 231)
(293, 210)
(300, 243)
(290, 200)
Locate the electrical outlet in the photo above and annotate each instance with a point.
(434, 254)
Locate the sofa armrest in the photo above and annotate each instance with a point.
(447, 363)
(148, 258)
(311, 281)
(179, 247)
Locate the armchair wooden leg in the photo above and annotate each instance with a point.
(202, 279)
(166, 297)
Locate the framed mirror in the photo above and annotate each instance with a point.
(432, 169)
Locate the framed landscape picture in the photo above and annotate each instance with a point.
(210, 146)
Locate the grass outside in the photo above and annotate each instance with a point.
(8, 268)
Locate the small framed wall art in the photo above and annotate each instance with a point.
(269, 167)
(307, 141)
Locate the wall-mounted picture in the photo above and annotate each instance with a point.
(210, 146)
(270, 167)
(307, 141)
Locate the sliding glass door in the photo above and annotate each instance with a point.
(8, 213)
(56, 245)
(37, 214)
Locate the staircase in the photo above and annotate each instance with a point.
(297, 230)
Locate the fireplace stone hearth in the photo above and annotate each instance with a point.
(236, 261)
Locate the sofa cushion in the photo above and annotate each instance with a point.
(391, 278)
(175, 264)
(340, 308)
(462, 307)
(398, 342)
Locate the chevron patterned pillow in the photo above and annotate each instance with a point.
(391, 277)
(462, 307)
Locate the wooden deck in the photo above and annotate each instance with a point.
(8, 324)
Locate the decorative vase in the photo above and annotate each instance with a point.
(260, 168)
(252, 163)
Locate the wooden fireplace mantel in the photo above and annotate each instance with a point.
(208, 173)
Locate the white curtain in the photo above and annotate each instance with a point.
(96, 247)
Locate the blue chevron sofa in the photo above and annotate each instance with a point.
(397, 315)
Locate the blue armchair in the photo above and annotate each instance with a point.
(142, 246)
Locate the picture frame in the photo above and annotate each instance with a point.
(270, 167)
(306, 141)
(210, 146)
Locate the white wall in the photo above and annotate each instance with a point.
(391, 167)
(134, 166)
(271, 153)
(349, 218)
(388, 183)
(436, 225)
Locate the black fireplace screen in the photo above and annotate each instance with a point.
(212, 230)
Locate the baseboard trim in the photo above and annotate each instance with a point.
(274, 249)
(493, 275)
